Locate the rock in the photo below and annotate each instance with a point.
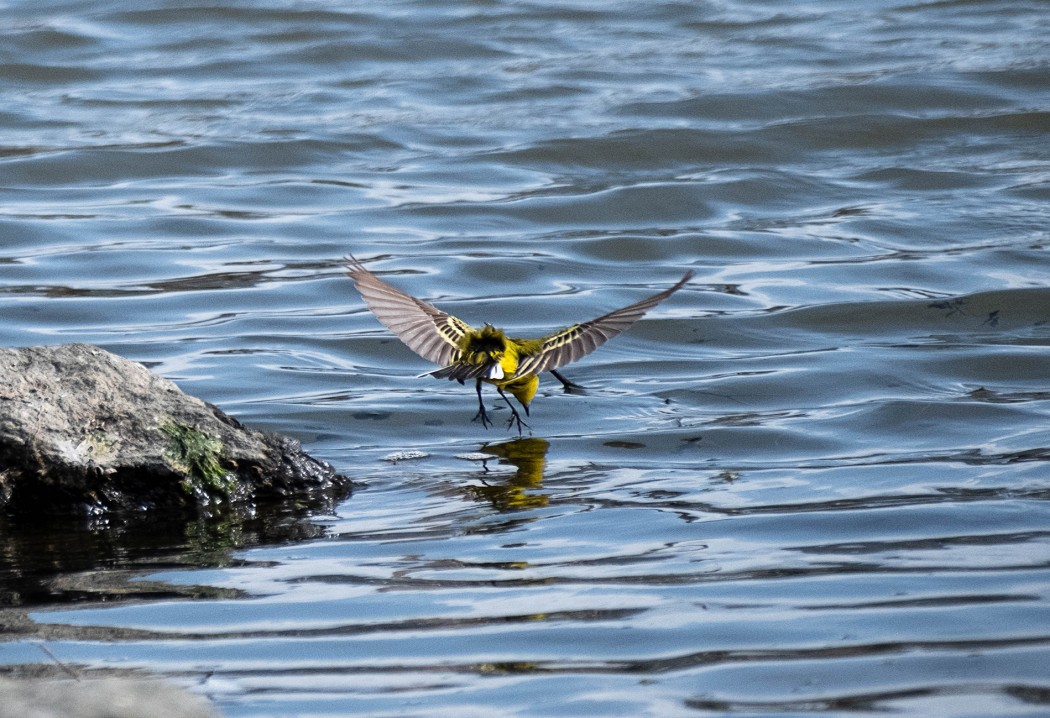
(99, 698)
(84, 429)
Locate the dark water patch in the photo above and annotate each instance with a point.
(900, 94)
(32, 74)
(640, 150)
(78, 560)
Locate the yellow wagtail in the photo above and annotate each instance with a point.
(487, 354)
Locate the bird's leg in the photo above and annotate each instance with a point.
(569, 386)
(482, 414)
(514, 415)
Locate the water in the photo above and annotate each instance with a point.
(813, 481)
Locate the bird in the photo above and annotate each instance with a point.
(487, 355)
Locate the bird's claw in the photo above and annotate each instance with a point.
(484, 416)
(515, 418)
(520, 425)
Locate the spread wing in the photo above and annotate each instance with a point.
(425, 329)
(579, 340)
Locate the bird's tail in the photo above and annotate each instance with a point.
(461, 371)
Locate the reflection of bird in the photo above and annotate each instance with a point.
(487, 354)
(524, 489)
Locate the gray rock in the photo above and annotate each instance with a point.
(84, 429)
(99, 698)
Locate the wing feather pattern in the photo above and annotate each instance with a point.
(425, 329)
(579, 340)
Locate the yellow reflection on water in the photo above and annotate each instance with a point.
(520, 491)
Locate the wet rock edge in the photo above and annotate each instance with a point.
(85, 431)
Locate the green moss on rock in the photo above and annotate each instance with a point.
(198, 455)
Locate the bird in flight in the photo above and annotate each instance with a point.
(487, 354)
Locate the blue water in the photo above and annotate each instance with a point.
(813, 481)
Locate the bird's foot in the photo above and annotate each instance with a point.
(483, 416)
(515, 418)
(568, 385)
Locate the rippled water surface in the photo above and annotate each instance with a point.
(813, 481)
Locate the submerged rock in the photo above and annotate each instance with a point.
(84, 429)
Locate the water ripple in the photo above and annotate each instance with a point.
(813, 481)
